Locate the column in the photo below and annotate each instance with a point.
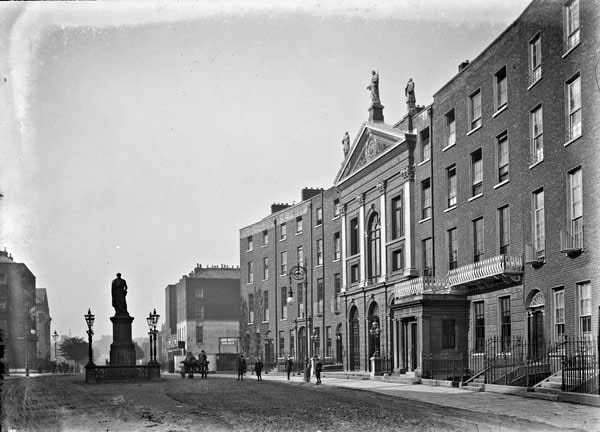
(344, 271)
(361, 240)
(383, 224)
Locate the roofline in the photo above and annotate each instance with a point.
(488, 46)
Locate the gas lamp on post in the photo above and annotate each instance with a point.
(89, 320)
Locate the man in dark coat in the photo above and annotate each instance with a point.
(241, 367)
(203, 364)
(119, 291)
(318, 369)
(258, 367)
(288, 366)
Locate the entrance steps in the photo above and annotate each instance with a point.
(476, 385)
(552, 384)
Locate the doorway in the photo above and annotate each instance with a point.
(354, 341)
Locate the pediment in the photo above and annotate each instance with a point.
(370, 144)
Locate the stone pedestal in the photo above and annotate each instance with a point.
(376, 366)
(122, 350)
(376, 112)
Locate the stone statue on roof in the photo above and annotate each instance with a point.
(409, 92)
(346, 144)
(374, 88)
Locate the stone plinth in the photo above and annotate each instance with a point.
(376, 112)
(122, 350)
(376, 366)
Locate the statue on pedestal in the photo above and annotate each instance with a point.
(119, 291)
(409, 92)
(374, 88)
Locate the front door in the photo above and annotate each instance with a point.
(354, 345)
(536, 334)
(301, 346)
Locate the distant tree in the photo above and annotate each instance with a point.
(74, 348)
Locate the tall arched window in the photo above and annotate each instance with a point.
(374, 249)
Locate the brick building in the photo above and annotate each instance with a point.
(200, 310)
(459, 227)
(18, 313)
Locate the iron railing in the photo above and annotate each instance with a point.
(518, 362)
(420, 286)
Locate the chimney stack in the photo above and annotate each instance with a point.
(463, 66)
(275, 207)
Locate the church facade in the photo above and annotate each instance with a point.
(457, 230)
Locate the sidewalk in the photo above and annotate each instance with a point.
(559, 414)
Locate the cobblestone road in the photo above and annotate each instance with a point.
(65, 403)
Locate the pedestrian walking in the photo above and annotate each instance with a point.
(318, 369)
(307, 369)
(288, 366)
(241, 367)
(258, 367)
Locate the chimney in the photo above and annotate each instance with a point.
(308, 193)
(463, 66)
(275, 207)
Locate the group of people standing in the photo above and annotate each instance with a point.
(242, 368)
(289, 365)
(190, 363)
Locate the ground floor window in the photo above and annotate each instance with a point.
(479, 320)
(505, 330)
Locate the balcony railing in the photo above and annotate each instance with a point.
(499, 265)
(420, 286)
(336, 304)
(572, 242)
(534, 256)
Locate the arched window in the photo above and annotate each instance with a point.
(374, 247)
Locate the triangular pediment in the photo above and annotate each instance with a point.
(371, 142)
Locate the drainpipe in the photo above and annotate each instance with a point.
(366, 329)
(276, 305)
(430, 115)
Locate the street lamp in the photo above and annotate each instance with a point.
(152, 321)
(55, 337)
(299, 273)
(89, 320)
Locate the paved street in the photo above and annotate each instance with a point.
(221, 403)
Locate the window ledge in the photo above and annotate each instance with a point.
(423, 162)
(473, 198)
(265, 245)
(450, 209)
(425, 220)
(335, 217)
(264, 280)
(449, 147)
(318, 225)
(572, 140)
(356, 255)
(283, 239)
(265, 321)
(394, 241)
(474, 130)
(299, 233)
(336, 260)
(534, 83)
(570, 50)
(536, 163)
(249, 283)
(319, 265)
(502, 183)
(499, 110)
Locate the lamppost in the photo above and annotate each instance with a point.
(152, 321)
(55, 337)
(89, 320)
(299, 273)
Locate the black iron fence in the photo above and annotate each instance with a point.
(573, 361)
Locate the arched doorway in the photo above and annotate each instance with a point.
(354, 340)
(302, 353)
(339, 344)
(535, 323)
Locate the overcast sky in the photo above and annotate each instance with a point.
(141, 137)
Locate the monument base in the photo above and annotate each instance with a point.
(376, 366)
(122, 350)
(376, 113)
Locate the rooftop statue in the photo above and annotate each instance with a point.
(374, 88)
(409, 92)
(346, 144)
